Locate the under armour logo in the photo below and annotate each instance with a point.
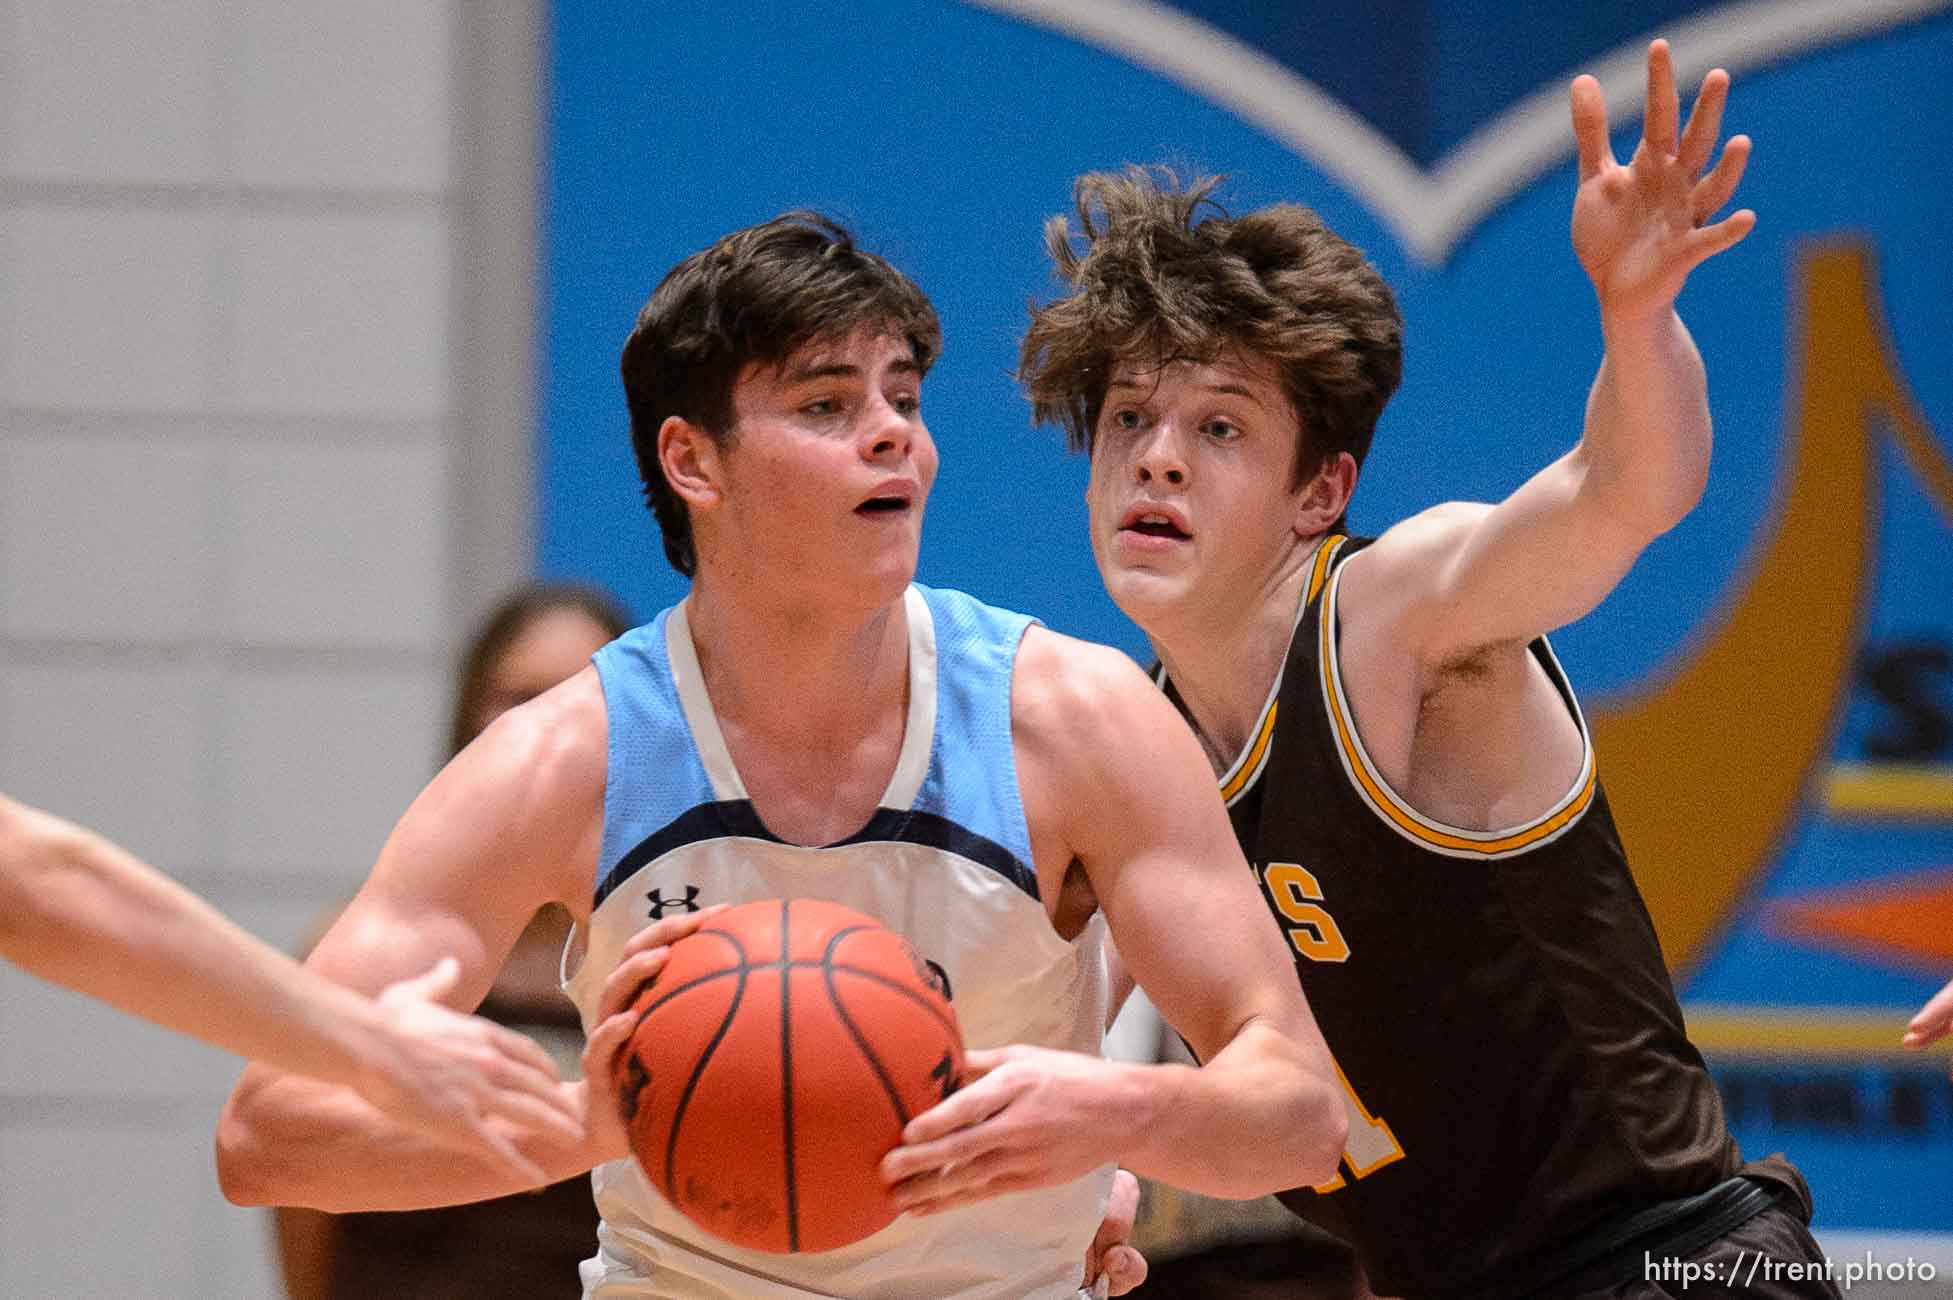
(660, 905)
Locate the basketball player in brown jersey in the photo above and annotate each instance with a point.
(1406, 766)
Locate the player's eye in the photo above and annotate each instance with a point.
(820, 406)
(907, 403)
(1126, 418)
(1223, 430)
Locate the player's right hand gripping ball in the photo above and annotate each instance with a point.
(775, 1061)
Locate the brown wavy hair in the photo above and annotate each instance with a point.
(1161, 272)
(753, 298)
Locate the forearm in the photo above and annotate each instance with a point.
(1645, 448)
(1260, 1117)
(283, 1140)
(87, 915)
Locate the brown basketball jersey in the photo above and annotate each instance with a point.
(1513, 1057)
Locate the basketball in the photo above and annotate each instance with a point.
(775, 1060)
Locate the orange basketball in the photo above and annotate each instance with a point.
(775, 1060)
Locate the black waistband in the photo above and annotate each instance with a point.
(1614, 1252)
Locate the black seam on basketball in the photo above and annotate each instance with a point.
(786, 1068)
(896, 986)
(696, 980)
(860, 1040)
(698, 1068)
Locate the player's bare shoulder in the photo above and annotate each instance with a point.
(1402, 605)
(1071, 699)
(1092, 733)
(561, 735)
(1406, 573)
(534, 779)
(1099, 752)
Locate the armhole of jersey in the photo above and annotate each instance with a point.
(1395, 812)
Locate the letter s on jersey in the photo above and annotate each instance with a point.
(1294, 893)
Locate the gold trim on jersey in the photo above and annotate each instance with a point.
(1452, 841)
(1325, 555)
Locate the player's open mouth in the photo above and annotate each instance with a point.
(1161, 522)
(895, 498)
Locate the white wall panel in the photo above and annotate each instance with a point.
(317, 769)
(338, 544)
(104, 90)
(120, 749)
(106, 538)
(232, 500)
(99, 1212)
(107, 310)
(344, 315)
(356, 93)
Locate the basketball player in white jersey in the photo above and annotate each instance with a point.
(80, 912)
(807, 722)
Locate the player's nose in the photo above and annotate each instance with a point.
(888, 431)
(1161, 457)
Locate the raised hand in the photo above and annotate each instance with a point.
(463, 1081)
(1934, 1021)
(1639, 229)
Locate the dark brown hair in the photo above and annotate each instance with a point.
(1165, 274)
(753, 298)
(508, 620)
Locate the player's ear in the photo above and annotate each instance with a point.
(691, 460)
(1324, 497)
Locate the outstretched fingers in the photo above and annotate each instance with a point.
(1705, 122)
(550, 1117)
(1719, 186)
(1590, 126)
(1701, 245)
(1664, 106)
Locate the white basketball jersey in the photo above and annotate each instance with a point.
(945, 860)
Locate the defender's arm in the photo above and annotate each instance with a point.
(79, 911)
(509, 825)
(1462, 577)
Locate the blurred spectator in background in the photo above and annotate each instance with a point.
(523, 1247)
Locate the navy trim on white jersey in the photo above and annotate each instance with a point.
(737, 818)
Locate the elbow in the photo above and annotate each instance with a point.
(1310, 1155)
(238, 1175)
(1326, 1136)
(246, 1169)
(1684, 493)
